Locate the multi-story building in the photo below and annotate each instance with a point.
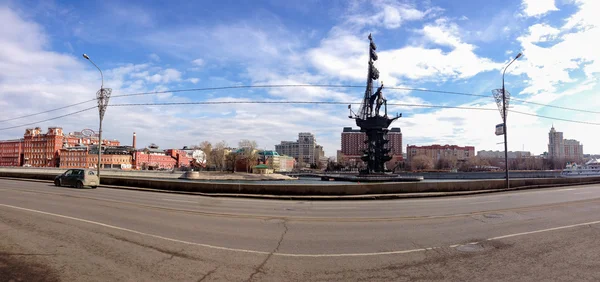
(77, 138)
(11, 152)
(436, 152)
(500, 154)
(155, 158)
(305, 150)
(74, 157)
(38, 149)
(559, 148)
(279, 163)
(353, 146)
(42, 149)
(573, 150)
(81, 156)
(556, 144)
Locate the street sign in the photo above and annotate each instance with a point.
(500, 129)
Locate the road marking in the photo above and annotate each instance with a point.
(585, 192)
(182, 201)
(288, 254)
(483, 202)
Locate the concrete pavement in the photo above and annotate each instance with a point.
(119, 235)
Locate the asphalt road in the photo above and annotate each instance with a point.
(63, 234)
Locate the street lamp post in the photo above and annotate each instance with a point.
(504, 110)
(102, 96)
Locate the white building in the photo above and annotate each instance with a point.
(500, 154)
(305, 150)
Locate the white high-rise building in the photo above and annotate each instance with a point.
(305, 150)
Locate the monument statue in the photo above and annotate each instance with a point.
(372, 122)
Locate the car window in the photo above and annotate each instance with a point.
(68, 172)
(91, 173)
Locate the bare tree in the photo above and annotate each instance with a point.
(231, 160)
(446, 162)
(218, 155)
(248, 152)
(206, 148)
(421, 162)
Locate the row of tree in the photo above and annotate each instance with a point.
(221, 156)
(422, 162)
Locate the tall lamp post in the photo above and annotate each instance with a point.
(504, 110)
(102, 96)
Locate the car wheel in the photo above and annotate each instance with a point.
(57, 182)
(94, 187)
(79, 184)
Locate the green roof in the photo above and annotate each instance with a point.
(261, 166)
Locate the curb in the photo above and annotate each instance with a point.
(328, 198)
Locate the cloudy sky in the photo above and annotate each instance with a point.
(457, 46)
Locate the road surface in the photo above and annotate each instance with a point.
(49, 233)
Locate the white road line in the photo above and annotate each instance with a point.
(483, 202)
(182, 201)
(569, 189)
(584, 192)
(288, 254)
(543, 230)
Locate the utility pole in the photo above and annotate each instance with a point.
(504, 112)
(102, 96)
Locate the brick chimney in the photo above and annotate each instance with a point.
(134, 141)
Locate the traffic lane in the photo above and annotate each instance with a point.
(564, 255)
(377, 209)
(72, 251)
(84, 252)
(311, 237)
(218, 231)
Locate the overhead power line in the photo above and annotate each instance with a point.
(48, 111)
(293, 102)
(49, 119)
(556, 107)
(555, 118)
(293, 85)
(290, 102)
(242, 87)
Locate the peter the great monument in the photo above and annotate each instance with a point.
(375, 125)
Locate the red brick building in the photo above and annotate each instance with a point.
(74, 157)
(353, 145)
(42, 149)
(11, 153)
(38, 149)
(154, 158)
(436, 152)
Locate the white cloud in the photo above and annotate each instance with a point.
(154, 57)
(193, 80)
(343, 54)
(387, 13)
(533, 8)
(540, 33)
(551, 65)
(198, 62)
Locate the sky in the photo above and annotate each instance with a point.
(165, 46)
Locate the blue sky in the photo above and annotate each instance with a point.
(443, 45)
